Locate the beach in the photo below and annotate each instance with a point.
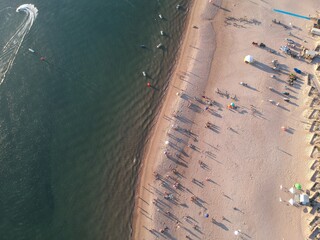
(231, 138)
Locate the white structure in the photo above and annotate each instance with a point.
(292, 190)
(248, 59)
(292, 202)
(304, 199)
(315, 31)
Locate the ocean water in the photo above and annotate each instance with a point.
(72, 127)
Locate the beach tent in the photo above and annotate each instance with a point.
(292, 190)
(304, 199)
(298, 186)
(310, 54)
(248, 59)
(292, 202)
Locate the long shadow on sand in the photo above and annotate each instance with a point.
(169, 236)
(284, 108)
(220, 224)
(195, 108)
(177, 161)
(251, 88)
(189, 231)
(263, 67)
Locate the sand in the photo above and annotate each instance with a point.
(199, 182)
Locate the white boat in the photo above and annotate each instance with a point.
(160, 16)
(162, 33)
(144, 74)
(31, 50)
(159, 45)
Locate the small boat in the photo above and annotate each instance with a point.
(144, 74)
(160, 16)
(162, 33)
(159, 45)
(178, 6)
(143, 46)
(31, 50)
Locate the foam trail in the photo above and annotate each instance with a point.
(11, 48)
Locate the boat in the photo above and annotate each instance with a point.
(162, 33)
(159, 45)
(31, 50)
(160, 16)
(144, 74)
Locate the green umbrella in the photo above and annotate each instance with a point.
(298, 186)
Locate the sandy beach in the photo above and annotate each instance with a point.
(213, 172)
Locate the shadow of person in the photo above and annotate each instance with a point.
(220, 224)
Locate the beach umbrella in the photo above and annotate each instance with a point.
(298, 186)
(206, 215)
(248, 59)
(229, 106)
(166, 142)
(232, 104)
(292, 202)
(236, 232)
(292, 190)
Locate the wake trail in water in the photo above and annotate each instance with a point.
(11, 48)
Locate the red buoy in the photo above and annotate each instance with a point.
(149, 84)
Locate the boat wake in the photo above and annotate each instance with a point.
(11, 48)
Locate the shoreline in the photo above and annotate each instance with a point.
(174, 80)
(210, 172)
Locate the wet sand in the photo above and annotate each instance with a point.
(208, 170)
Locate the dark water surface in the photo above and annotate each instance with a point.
(72, 128)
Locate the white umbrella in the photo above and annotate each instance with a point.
(292, 202)
(236, 232)
(248, 59)
(292, 190)
(166, 142)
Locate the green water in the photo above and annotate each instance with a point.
(72, 127)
